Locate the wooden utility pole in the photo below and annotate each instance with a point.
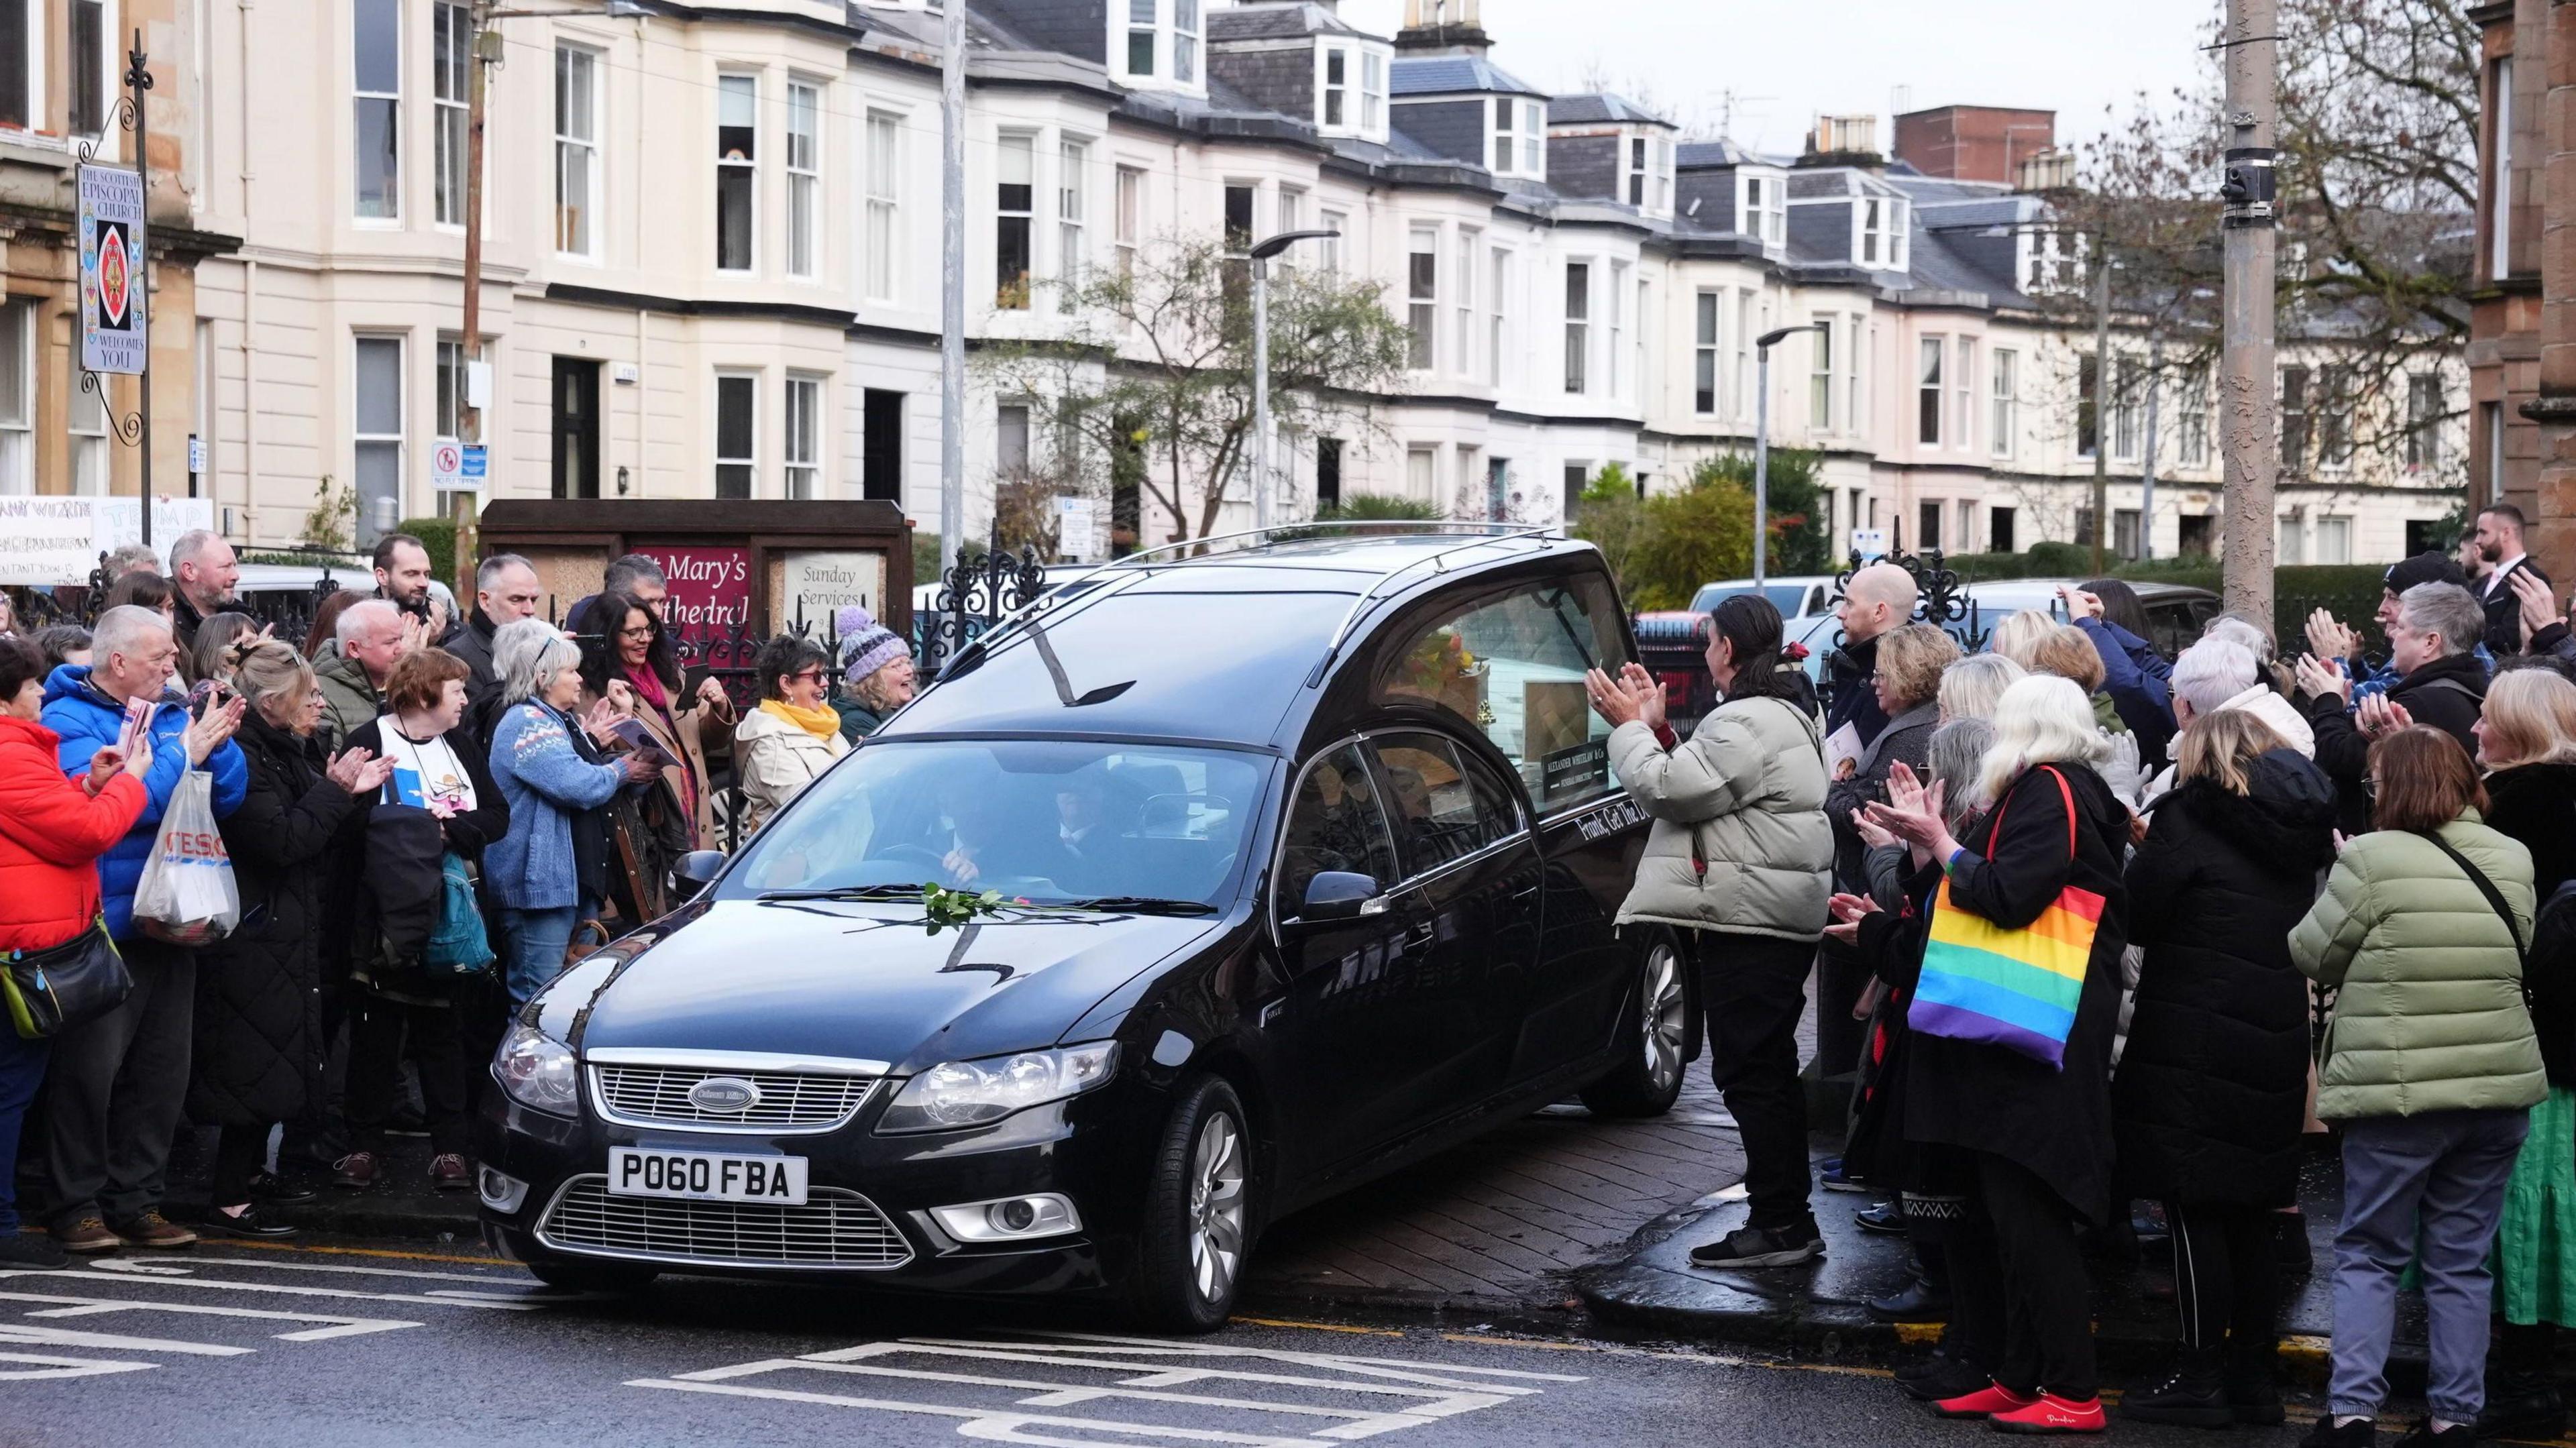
(2249, 421)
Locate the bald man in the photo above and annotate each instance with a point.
(1878, 598)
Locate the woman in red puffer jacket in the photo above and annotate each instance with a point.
(52, 831)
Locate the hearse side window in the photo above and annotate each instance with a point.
(1444, 808)
(1512, 664)
(1336, 824)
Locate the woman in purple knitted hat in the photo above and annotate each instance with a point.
(876, 673)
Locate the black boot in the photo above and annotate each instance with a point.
(2253, 1382)
(2522, 1392)
(2194, 1397)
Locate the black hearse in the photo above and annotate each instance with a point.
(1307, 854)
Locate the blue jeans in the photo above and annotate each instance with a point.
(22, 1070)
(533, 943)
(2428, 1187)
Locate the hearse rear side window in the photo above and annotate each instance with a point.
(1512, 664)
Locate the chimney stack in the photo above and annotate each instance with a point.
(1443, 27)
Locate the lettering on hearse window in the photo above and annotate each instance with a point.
(1610, 819)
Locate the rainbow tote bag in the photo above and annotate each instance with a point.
(2017, 989)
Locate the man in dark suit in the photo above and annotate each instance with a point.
(2499, 540)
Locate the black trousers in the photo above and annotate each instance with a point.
(113, 1094)
(2226, 1279)
(2024, 1305)
(378, 1031)
(1754, 988)
(240, 1151)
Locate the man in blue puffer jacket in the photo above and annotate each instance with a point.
(107, 1127)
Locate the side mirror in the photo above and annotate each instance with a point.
(1336, 895)
(696, 870)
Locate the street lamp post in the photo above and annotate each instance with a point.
(1262, 477)
(1762, 446)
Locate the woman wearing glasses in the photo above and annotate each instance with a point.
(795, 734)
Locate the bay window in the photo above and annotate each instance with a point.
(737, 170)
(376, 85)
(804, 178)
(1014, 202)
(1927, 426)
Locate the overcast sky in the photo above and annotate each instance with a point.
(1786, 61)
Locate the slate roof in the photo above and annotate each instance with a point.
(1440, 75)
(1291, 21)
(1600, 110)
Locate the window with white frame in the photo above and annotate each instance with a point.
(737, 433)
(2004, 382)
(1519, 146)
(1927, 420)
(1638, 171)
(1422, 296)
(451, 58)
(1330, 250)
(2334, 540)
(1499, 282)
(2126, 395)
(1637, 335)
(737, 171)
(1855, 357)
(1160, 37)
(804, 178)
(1820, 381)
(1704, 389)
(1335, 91)
(448, 389)
(1011, 440)
(576, 148)
(1578, 327)
(1463, 294)
(1130, 222)
(1963, 393)
(885, 192)
(1762, 208)
(88, 427)
(376, 426)
(17, 398)
(1291, 215)
(376, 85)
(1534, 140)
(802, 440)
(2335, 391)
(1143, 36)
(1618, 328)
(1745, 333)
(1879, 233)
(93, 67)
(1648, 165)
(1072, 208)
(1185, 41)
(2423, 421)
(1421, 474)
(1014, 214)
(2293, 542)
(2192, 422)
(1373, 94)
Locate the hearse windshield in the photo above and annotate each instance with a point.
(1053, 822)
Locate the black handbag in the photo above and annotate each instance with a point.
(50, 991)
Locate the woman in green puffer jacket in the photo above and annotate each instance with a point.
(2431, 1068)
(1740, 859)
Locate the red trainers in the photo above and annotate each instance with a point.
(1985, 1402)
(2053, 1414)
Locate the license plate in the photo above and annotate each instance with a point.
(706, 1176)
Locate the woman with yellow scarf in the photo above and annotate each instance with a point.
(795, 734)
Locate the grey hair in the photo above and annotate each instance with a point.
(1970, 687)
(2237, 628)
(355, 619)
(623, 572)
(2446, 609)
(488, 576)
(526, 654)
(272, 670)
(121, 628)
(133, 557)
(2213, 671)
(186, 547)
(1958, 752)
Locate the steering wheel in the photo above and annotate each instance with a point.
(917, 854)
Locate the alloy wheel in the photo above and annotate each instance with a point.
(1667, 1016)
(1216, 1206)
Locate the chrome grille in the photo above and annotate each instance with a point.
(835, 1228)
(789, 1101)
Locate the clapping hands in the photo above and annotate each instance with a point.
(359, 771)
(1633, 696)
(2329, 639)
(2539, 609)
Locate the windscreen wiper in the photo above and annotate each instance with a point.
(1131, 905)
(847, 892)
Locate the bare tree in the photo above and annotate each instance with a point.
(1158, 366)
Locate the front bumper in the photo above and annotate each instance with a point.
(869, 1220)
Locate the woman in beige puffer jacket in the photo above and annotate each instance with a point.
(1740, 859)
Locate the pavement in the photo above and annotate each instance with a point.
(358, 1345)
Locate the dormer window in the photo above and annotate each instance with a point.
(2051, 260)
(1519, 139)
(1647, 165)
(1162, 39)
(1762, 208)
(1350, 90)
(1879, 230)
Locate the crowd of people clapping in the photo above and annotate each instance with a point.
(2135, 929)
(423, 814)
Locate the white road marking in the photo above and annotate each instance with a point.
(334, 1325)
(493, 1302)
(66, 1337)
(46, 1365)
(1375, 1395)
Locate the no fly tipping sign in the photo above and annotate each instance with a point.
(111, 269)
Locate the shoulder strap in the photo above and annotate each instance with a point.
(1994, 830)
(2485, 886)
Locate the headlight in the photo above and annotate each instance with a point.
(971, 1093)
(538, 1070)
